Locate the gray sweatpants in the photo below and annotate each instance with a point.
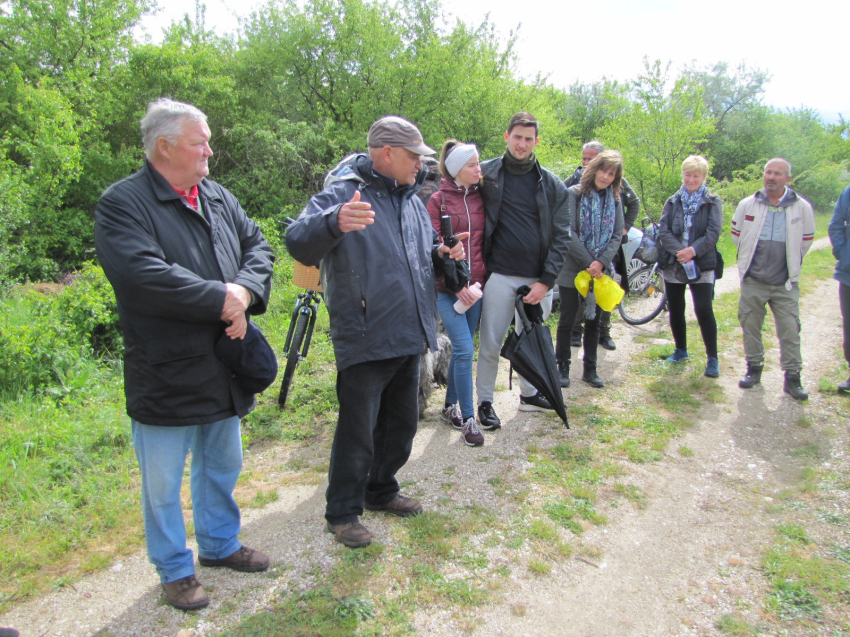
(496, 313)
(785, 305)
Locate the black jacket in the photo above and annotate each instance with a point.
(169, 266)
(379, 282)
(551, 197)
(705, 231)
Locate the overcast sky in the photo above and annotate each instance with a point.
(803, 45)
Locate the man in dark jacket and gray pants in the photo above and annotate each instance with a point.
(188, 267)
(374, 241)
(527, 234)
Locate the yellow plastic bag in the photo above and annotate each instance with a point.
(608, 292)
(583, 282)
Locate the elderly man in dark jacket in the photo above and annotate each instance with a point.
(374, 241)
(188, 267)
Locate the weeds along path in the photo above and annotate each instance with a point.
(627, 525)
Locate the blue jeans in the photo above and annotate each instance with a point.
(216, 462)
(460, 328)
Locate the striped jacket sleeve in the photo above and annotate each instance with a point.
(808, 227)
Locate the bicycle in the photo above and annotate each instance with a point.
(645, 297)
(301, 324)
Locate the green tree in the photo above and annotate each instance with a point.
(661, 126)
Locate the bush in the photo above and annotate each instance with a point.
(49, 337)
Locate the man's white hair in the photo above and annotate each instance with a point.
(165, 118)
(595, 145)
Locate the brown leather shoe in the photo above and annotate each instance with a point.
(245, 560)
(186, 593)
(401, 506)
(353, 534)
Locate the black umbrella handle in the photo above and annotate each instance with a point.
(520, 308)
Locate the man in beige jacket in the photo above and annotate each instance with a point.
(772, 230)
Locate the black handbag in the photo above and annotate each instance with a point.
(718, 268)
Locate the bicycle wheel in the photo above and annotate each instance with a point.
(293, 356)
(646, 296)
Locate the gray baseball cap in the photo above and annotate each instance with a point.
(395, 131)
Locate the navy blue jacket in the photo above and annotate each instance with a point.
(839, 227)
(379, 282)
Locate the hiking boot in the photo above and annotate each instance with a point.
(592, 378)
(451, 415)
(537, 402)
(793, 387)
(352, 534)
(471, 434)
(245, 560)
(575, 339)
(401, 506)
(564, 373)
(678, 356)
(752, 377)
(607, 342)
(487, 417)
(844, 388)
(712, 368)
(186, 593)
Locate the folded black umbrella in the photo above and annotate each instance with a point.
(532, 355)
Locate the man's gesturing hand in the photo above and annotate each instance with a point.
(236, 301)
(355, 215)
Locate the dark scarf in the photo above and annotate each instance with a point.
(518, 166)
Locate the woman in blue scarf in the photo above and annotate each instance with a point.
(689, 229)
(596, 215)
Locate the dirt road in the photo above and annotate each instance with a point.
(670, 568)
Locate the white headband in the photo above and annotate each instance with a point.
(458, 156)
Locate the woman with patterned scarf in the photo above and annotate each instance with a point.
(596, 215)
(688, 232)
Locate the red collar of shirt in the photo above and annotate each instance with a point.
(190, 197)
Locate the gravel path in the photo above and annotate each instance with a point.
(669, 569)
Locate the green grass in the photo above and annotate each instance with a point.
(69, 482)
(735, 626)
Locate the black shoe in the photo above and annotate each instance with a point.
(575, 339)
(793, 387)
(9, 632)
(607, 342)
(592, 378)
(487, 418)
(844, 388)
(564, 373)
(752, 377)
(537, 402)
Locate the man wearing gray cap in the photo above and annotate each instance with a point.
(374, 242)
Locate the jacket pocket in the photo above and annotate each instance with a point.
(166, 350)
(347, 303)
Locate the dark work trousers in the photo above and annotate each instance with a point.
(702, 295)
(569, 307)
(605, 318)
(844, 296)
(378, 416)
